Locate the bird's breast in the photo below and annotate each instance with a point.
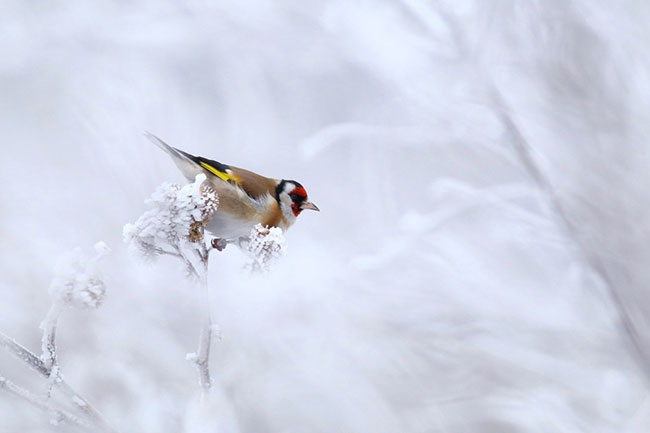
(237, 214)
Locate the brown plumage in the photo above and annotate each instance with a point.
(252, 183)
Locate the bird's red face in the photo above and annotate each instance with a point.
(299, 201)
(293, 198)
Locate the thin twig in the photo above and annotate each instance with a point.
(38, 365)
(48, 341)
(190, 266)
(203, 352)
(24, 354)
(202, 356)
(43, 404)
(48, 344)
(165, 252)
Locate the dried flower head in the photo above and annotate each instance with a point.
(77, 281)
(177, 216)
(264, 246)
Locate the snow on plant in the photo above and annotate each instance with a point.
(175, 220)
(77, 283)
(265, 245)
(175, 225)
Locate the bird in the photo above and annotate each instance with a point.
(245, 198)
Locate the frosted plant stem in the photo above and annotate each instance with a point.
(190, 266)
(24, 354)
(48, 340)
(175, 226)
(203, 354)
(523, 151)
(38, 365)
(83, 405)
(49, 357)
(58, 414)
(205, 339)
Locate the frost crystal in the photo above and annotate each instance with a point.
(77, 281)
(265, 245)
(177, 217)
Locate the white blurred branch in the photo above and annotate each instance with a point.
(48, 344)
(205, 340)
(525, 154)
(202, 356)
(58, 415)
(54, 374)
(24, 354)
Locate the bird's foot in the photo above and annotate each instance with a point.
(219, 244)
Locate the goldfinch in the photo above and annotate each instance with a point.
(245, 198)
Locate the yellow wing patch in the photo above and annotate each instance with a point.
(221, 174)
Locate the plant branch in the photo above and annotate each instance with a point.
(165, 252)
(190, 266)
(24, 354)
(37, 364)
(202, 358)
(48, 344)
(175, 225)
(43, 404)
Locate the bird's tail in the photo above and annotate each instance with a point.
(183, 160)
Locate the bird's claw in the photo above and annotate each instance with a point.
(219, 244)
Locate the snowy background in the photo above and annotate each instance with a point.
(482, 173)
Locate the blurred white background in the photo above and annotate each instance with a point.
(438, 290)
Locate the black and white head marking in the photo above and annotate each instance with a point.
(290, 195)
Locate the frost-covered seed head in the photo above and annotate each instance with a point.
(265, 245)
(177, 216)
(77, 280)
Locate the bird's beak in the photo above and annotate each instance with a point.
(309, 205)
